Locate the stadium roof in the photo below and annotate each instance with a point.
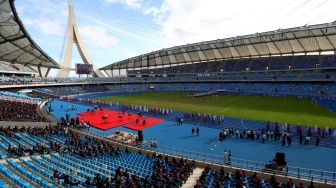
(16, 46)
(298, 40)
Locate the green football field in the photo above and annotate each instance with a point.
(281, 109)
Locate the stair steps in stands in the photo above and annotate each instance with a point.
(191, 182)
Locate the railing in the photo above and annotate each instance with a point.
(321, 176)
(42, 112)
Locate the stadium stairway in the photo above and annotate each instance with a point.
(191, 182)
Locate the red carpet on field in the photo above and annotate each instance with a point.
(113, 120)
(139, 126)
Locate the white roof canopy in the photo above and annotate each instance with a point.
(16, 46)
(306, 39)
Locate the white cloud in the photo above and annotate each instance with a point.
(48, 17)
(136, 4)
(185, 21)
(47, 27)
(97, 37)
(158, 13)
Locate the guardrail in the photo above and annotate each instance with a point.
(41, 110)
(321, 176)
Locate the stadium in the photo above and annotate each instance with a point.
(256, 111)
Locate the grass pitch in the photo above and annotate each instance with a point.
(281, 109)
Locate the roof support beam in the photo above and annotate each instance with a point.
(12, 40)
(47, 73)
(39, 70)
(17, 57)
(107, 73)
(10, 53)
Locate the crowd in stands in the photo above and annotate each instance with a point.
(8, 67)
(72, 90)
(172, 173)
(18, 109)
(8, 81)
(265, 89)
(20, 95)
(22, 150)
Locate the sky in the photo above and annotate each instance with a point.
(114, 30)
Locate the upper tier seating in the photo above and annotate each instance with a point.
(5, 66)
(255, 64)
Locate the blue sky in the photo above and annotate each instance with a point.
(114, 30)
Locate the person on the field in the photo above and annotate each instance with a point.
(197, 131)
(263, 138)
(301, 138)
(193, 131)
(289, 139)
(318, 140)
(226, 156)
(307, 140)
(229, 157)
(283, 140)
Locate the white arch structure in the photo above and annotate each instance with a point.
(73, 37)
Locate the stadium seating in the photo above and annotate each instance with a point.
(40, 168)
(328, 103)
(19, 107)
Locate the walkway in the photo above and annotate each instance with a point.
(191, 182)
